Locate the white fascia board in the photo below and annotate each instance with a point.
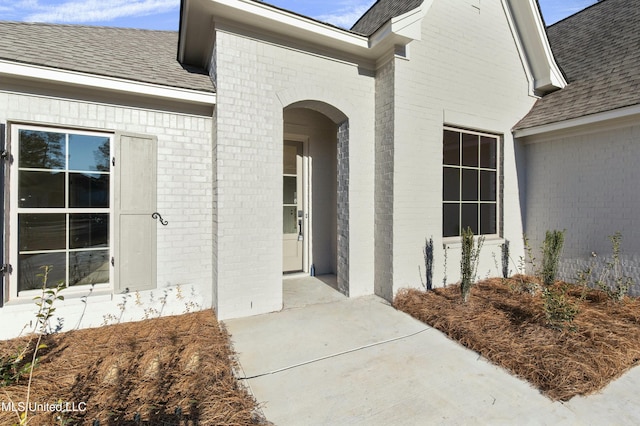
(577, 122)
(399, 31)
(554, 79)
(184, 13)
(531, 39)
(402, 29)
(409, 25)
(74, 78)
(521, 50)
(282, 19)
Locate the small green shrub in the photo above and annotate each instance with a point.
(530, 255)
(558, 308)
(13, 367)
(611, 281)
(551, 251)
(21, 363)
(469, 262)
(583, 277)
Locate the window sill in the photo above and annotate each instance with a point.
(100, 292)
(456, 243)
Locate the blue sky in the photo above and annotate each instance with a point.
(163, 14)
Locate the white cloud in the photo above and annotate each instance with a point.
(347, 13)
(95, 10)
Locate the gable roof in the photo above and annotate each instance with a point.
(381, 12)
(137, 55)
(598, 49)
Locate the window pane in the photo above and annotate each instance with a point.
(488, 219)
(88, 190)
(470, 217)
(30, 270)
(488, 152)
(469, 185)
(42, 150)
(289, 219)
(88, 267)
(451, 154)
(470, 150)
(40, 189)
(88, 230)
(41, 232)
(88, 153)
(290, 190)
(451, 220)
(290, 159)
(487, 186)
(451, 184)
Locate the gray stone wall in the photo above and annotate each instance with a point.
(343, 207)
(385, 119)
(585, 183)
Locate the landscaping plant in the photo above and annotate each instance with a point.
(444, 264)
(530, 254)
(558, 309)
(505, 259)
(469, 262)
(551, 250)
(428, 264)
(42, 328)
(611, 281)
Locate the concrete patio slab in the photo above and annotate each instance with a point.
(359, 361)
(300, 291)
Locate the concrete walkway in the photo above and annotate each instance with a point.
(360, 362)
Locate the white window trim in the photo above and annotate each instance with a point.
(12, 247)
(452, 241)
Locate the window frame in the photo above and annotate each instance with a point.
(498, 184)
(12, 243)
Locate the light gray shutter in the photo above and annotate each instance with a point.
(3, 148)
(135, 247)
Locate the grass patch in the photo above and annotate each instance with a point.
(173, 371)
(508, 326)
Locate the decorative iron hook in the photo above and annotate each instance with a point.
(157, 215)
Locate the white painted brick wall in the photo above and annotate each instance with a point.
(465, 72)
(185, 185)
(255, 81)
(586, 184)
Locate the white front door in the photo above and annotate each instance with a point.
(292, 207)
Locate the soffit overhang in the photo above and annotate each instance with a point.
(199, 18)
(528, 27)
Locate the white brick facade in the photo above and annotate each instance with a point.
(465, 72)
(255, 81)
(184, 194)
(373, 129)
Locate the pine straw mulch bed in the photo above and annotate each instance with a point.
(508, 327)
(170, 371)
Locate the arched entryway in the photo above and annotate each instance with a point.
(315, 192)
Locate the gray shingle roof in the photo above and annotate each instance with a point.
(138, 55)
(599, 51)
(381, 12)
